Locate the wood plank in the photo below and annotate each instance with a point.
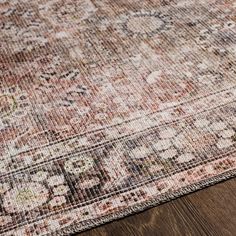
(211, 211)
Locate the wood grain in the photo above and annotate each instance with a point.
(211, 211)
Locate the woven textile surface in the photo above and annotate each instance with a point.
(108, 107)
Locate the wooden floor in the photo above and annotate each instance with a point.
(211, 211)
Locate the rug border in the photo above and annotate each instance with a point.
(165, 197)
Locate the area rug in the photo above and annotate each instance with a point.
(110, 107)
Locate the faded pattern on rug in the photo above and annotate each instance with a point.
(108, 107)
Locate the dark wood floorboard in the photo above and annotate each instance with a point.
(211, 211)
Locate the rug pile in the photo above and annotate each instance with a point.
(110, 107)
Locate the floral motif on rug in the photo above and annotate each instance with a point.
(110, 107)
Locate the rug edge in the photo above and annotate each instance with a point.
(166, 197)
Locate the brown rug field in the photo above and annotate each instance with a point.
(109, 107)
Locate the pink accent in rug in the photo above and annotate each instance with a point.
(109, 107)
